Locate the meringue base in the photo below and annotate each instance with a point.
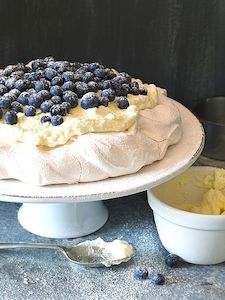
(96, 156)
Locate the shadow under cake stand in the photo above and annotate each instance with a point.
(68, 211)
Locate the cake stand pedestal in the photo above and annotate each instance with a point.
(67, 211)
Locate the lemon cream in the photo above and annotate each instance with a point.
(213, 200)
(78, 122)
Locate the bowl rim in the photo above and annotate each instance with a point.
(189, 219)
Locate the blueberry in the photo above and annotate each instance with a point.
(92, 86)
(15, 92)
(10, 83)
(11, 117)
(50, 73)
(77, 77)
(70, 97)
(89, 100)
(35, 100)
(3, 89)
(39, 74)
(37, 63)
(4, 102)
(41, 85)
(172, 260)
(122, 103)
(10, 97)
(68, 76)
(93, 66)
(157, 279)
(3, 79)
(141, 273)
(88, 76)
(135, 90)
(106, 84)
(46, 105)
(63, 109)
(109, 93)
(16, 107)
(20, 85)
(143, 91)
(81, 88)
(30, 76)
(45, 119)
(118, 81)
(20, 66)
(57, 80)
(32, 91)
(49, 59)
(56, 99)
(30, 111)
(1, 113)
(45, 94)
(123, 90)
(67, 106)
(17, 74)
(126, 76)
(55, 110)
(69, 86)
(56, 90)
(104, 101)
(110, 74)
(56, 120)
(99, 72)
(9, 69)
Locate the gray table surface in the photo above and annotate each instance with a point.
(46, 274)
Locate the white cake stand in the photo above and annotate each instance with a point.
(67, 211)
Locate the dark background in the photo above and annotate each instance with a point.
(179, 45)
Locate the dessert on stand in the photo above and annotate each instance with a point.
(72, 135)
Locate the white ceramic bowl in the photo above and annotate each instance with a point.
(196, 238)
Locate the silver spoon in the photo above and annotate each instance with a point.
(87, 254)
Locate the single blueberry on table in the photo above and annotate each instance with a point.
(20, 85)
(56, 120)
(141, 273)
(56, 99)
(68, 86)
(70, 97)
(5, 103)
(30, 111)
(109, 93)
(11, 117)
(35, 100)
(172, 260)
(46, 105)
(89, 100)
(157, 279)
(56, 90)
(3, 89)
(50, 73)
(57, 80)
(45, 119)
(122, 102)
(16, 107)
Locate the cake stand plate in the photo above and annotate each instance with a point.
(67, 211)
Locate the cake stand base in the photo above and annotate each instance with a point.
(63, 220)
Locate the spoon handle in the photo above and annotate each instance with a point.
(29, 245)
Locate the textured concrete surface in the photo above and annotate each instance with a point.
(46, 274)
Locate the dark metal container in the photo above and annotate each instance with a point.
(211, 112)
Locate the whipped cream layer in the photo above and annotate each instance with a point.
(79, 121)
(96, 156)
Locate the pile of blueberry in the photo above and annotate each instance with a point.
(54, 87)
